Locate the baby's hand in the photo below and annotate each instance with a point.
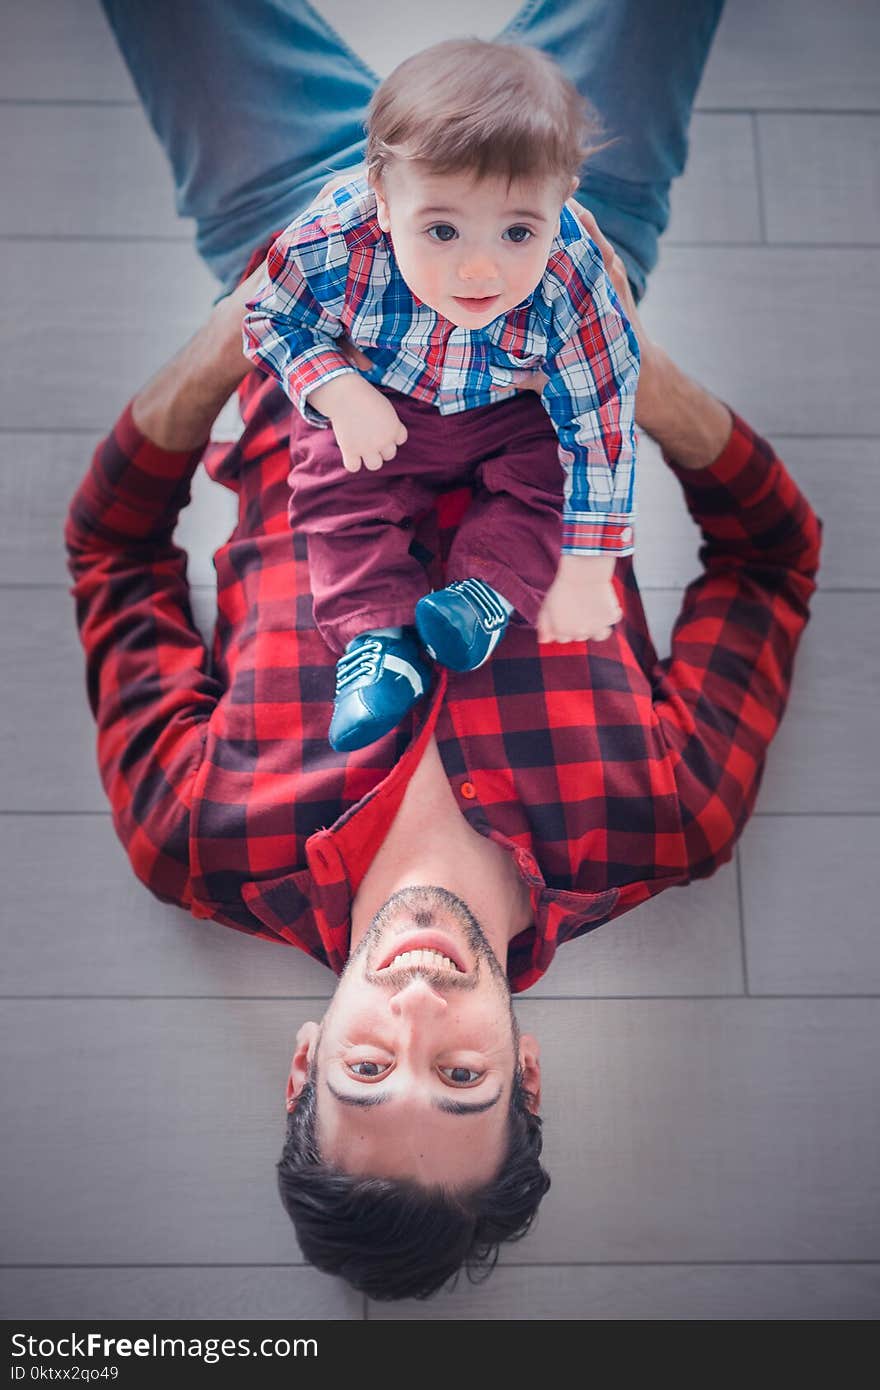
(370, 434)
(581, 604)
(367, 427)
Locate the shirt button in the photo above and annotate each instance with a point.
(468, 790)
(627, 533)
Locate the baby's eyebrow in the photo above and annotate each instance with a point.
(433, 212)
(454, 212)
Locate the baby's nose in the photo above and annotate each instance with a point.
(478, 267)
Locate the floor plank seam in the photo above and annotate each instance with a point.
(185, 238)
(506, 1264)
(759, 178)
(753, 997)
(742, 922)
(98, 102)
(101, 238)
(698, 110)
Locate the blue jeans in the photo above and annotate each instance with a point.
(257, 102)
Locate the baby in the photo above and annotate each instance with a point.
(455, 263)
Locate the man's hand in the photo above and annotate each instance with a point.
(367, 427)
(581, 604)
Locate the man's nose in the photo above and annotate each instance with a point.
(417, 1000)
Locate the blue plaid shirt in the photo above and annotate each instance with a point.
(333, 272)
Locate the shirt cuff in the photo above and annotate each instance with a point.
(133, 490)
(597, 534)
(144, 481)
(741, 467)
(313, 369)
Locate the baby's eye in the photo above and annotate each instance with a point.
(461, 1076)
(368, 1071)
(442, 227)
(520, 240)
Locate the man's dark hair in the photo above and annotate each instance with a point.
(391, 1238)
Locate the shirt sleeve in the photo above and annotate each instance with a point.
(721, 694)
(592, 368)
(147, 674)
(293, 322)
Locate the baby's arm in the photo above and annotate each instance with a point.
(291, 328)
(367, 427)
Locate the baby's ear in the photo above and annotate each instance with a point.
(382, 212)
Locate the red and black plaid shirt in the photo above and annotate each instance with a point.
(609, 774)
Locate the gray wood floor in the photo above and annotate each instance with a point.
(712, 1068)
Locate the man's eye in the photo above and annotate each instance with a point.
(520, 235)
(442, 228)
(461, 1076)
(368, 1071)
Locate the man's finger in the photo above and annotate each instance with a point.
(401, 437)
(337, 179)
(351, 463)
(373, 462)
(587, 220)
(389, 452)
(355, 356)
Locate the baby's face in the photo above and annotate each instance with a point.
(470, 249)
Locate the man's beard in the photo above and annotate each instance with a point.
(424, 906)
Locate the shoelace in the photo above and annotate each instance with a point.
(492, 614)
(363, 661)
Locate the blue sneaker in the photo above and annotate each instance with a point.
(378, 680)
(462, 625)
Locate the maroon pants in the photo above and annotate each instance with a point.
(360, 525)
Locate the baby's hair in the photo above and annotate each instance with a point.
(485, 108)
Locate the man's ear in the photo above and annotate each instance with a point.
(530, 1063)
(300, 1066)
(572, 187)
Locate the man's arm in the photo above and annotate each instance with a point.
(721, 694)
(146, 665)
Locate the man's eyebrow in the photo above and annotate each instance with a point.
(380, 1099)
(462, 1107)
(453, 212)
(449, 1107)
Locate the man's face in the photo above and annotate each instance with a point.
(458, 239)
(417, 1053)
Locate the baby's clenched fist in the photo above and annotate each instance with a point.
(581, 604)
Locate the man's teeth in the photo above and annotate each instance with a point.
(435, 959)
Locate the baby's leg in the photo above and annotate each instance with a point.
(506, 551)
(365, 584)
(511, 534)
(359, 529)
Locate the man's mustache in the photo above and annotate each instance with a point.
(403, 975)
